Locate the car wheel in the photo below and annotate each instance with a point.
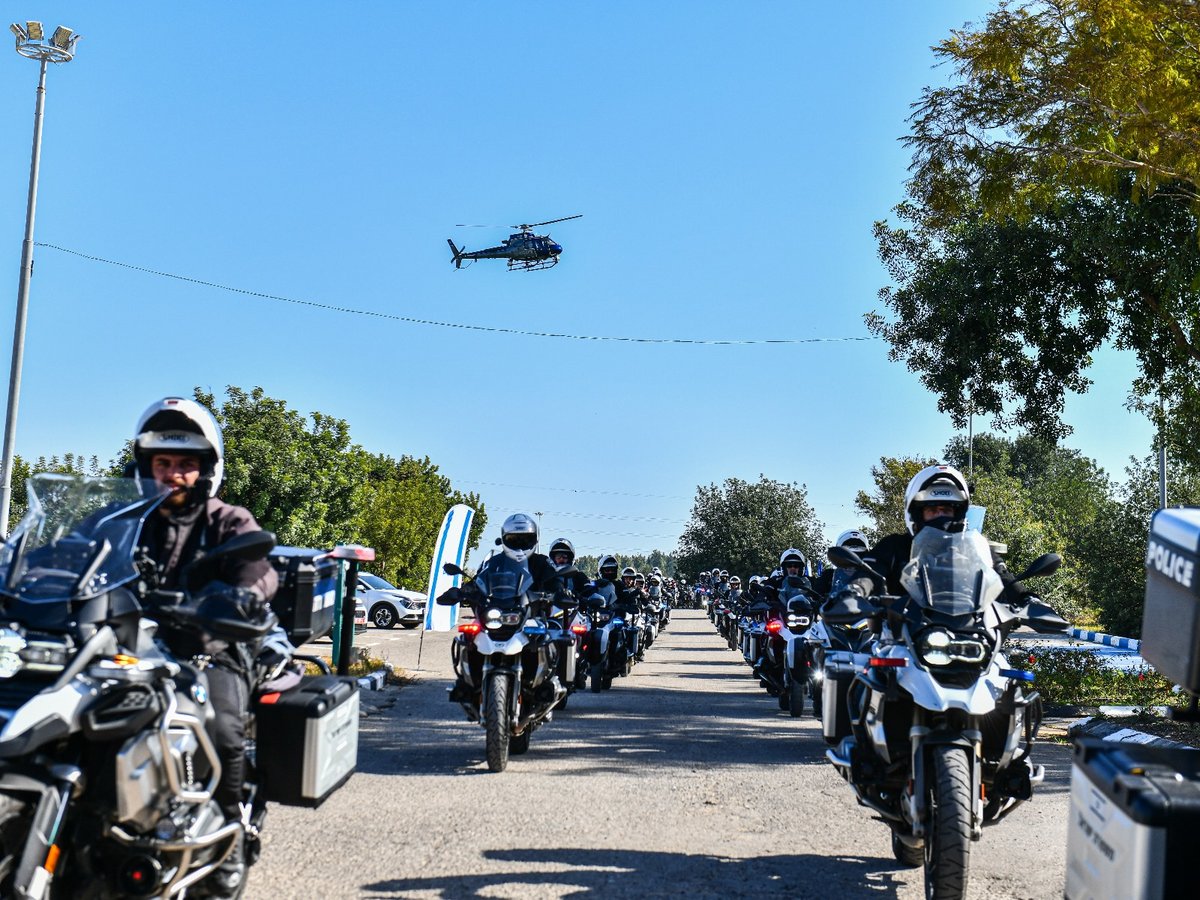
(384, 615)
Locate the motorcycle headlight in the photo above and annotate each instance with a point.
(491, 618)
(939, 647)
(795, 620)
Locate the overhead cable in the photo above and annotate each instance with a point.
(412, 320)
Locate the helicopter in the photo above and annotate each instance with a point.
(524, 250)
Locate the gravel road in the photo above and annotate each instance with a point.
(684, 780)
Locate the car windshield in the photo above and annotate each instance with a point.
(951, 572)
(77, 537)
(375, 582)
(502, 578)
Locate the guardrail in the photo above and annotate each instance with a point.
(1108, 640)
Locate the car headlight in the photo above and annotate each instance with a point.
(939, 647)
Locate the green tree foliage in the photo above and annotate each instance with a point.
(309, 484)
(885, 506)
(1001, 317)
(643, 562)
(1068, 93)
(1116, 541)
(67, 464)
(743, 526)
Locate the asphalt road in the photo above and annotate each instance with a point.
(684, 780)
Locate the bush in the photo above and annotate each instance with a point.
(1067, 677)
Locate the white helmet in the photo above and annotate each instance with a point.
(179, 425)
(796, 557)
(518, 536)
(608, 562)
(935, 485)
(853, 540)
(562, 545)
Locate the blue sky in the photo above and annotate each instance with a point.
(728, 159)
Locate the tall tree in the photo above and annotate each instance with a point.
(885, 507)
(744, 526)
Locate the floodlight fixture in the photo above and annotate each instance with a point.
(33, 44)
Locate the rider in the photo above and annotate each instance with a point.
(851, 540)
(936, 497)
(178, 443)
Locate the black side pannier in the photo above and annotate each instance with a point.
(304, 602)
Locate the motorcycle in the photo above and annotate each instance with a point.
(107, 758)
(507, 657)
(941, 727)
(822, 639)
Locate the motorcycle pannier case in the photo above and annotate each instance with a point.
(835, 714)
(304, 602)
(1135, 814)
(307, 740)
(1171, 621)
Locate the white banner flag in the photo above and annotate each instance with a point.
(451, 547)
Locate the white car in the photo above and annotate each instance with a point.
(388, 605)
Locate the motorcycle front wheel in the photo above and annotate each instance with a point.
(947, 854)
(498, 730)
(796, 688)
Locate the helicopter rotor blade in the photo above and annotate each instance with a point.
(548, 222)
(482, 226)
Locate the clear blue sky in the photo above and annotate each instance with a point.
(729, 159)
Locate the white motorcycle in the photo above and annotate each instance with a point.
(941, 726)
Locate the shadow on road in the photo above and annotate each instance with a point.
(636, 873)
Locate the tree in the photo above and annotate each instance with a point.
(310, 485)
(744, 526)
(68, 464)
(1072, 93)
(885, 507)
(1002, 317)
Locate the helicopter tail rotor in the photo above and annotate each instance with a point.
(457, 253)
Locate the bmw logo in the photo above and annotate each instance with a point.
(199, 693)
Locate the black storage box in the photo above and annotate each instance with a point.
(304, 602)
(1171, 619)
(307, 740)
(1135, 815)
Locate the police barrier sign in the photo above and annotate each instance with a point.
(1171, 621)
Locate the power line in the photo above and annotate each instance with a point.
(411, 320)
(544, 487)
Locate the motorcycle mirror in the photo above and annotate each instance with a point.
(452, 569)
(845, 558)
(1046, 564)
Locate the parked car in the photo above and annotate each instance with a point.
(360, 615)
(388, 605)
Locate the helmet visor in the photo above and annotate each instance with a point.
(520, 541)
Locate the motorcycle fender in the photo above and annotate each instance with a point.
(512, 647)
(927, 692)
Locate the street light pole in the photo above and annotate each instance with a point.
(32, 44)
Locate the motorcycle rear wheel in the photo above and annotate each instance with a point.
(796, 697)
(597, 678)
(498, 731)
(908, 855)
(519, 743)
(947, 855)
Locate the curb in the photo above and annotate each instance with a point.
(1114, 731)
(1108, 640)
(374, 681)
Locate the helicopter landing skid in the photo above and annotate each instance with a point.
(532, 266)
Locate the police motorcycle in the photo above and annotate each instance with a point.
(784, 665)
(822, 639)
(659, 602)
(608, 656)
(107, 759)
(508, 656)
(937, 726)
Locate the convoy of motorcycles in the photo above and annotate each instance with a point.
(524, 652)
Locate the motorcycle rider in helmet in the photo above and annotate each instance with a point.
(178, 443)
(936, 497)
(851, 540)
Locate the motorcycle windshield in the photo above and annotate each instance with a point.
(791, 587)
(951, 573)
(60, 539)
(501, 578)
